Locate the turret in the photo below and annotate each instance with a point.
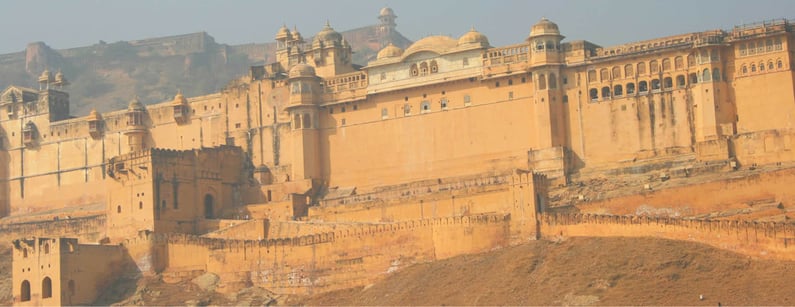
(181, 108)
(303, 110)
(386, 17)
(545, 42)
(95, 124)
(135, 125)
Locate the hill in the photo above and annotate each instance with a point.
(106, 76)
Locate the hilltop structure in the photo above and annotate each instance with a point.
(450, 140)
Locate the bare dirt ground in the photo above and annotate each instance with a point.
(582, 271)
(577, 271)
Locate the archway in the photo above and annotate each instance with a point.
(24, 292)
(46, 288)
(208, 206)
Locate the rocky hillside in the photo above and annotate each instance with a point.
(106, 76)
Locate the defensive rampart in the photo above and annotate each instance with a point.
(770, 240)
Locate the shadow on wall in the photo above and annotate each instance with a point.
(4, 184)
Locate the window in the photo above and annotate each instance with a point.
(630, 88)
(434, 67)
(643, 86)
(565, 98)
(705, 76)
(466, 62)
(423, 69)
(616, 72)
(618, 90)
(342, 122)
(425, 107)
(713, 55)
(307, 121)
(510, 81)
(744, 69)
(383, 76)
(603, 76)
(678, 63)
(641, 68)
(691, 61)
(524, 79)
(237, 125)
(467, 101)
(591, 76)
(406, 109)
(342, 109)
(770, 65)
(497, 84)
(693, 78)
(668, 83)
(655, 84)
(443, 103)
(384, 113)
(414, 71)
(565, 80)
(605, 92)
(753, 67)
(118, 209)
(553, 81)
(666, 65)
(769, 45)
(593, 94)
(779, 64)
(716, 74)
(680, 81)
(331, 110)
(743, 50)
(163, 204)
(777, 43)
(297, 121)
(510, 95)
(654, 67)
(628, 71)
(46, 288)
(542, 82)
(140, 205)
(46, 248)
(761, 66)
(751, 48)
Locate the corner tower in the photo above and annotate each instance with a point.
(546, 62)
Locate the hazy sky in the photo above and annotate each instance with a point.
(67, 24)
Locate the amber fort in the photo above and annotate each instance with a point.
(311, 173)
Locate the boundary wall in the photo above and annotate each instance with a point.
(768, 240)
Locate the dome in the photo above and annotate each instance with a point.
(296, 35)
(302, 70)
(544, 27)
(179, 99)
(135, 105)
(473, 37)
(283, 33)
(390, 51)
(386, 11)
(438, 44)
(328, 34)
(93, 115)
(46, 76)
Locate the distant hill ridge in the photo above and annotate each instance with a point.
(106, 75)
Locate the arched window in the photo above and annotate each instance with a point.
(307, 121)
(779, 64)
(606, 92)
(118, 209)
(594, 94)
(297, 121)
(603, 75)
(641, 68)
(425, 107)
(666, 64)
(542, 82)
(716, 74)
(643, 86)
(743, 49)
(680, 81)
(209, 210)
(24, 291)
(691, 60)
(46, 288)
(539, 45)
(668, 83)
(770, 65)
(140, 205)
(713, 55)
(769, 45)
(693, 78)
(628, 71)
(761, 66)
(655, 84)
(705, 76)
(414, 70)
(550, 45)
(434, 67)
(744, 69)
(46, 248)
(423, 68)
(592, 76)
(618, 90)
(24, 253)
(679, 63)
(443, 103)
(751, 48)
(384, 113)
(407, 109)
(777, 43)
(630, 88)
(654, 67)
(616, 73)
(753, 67)
(553, 81)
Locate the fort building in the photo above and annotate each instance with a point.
(449, 131)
